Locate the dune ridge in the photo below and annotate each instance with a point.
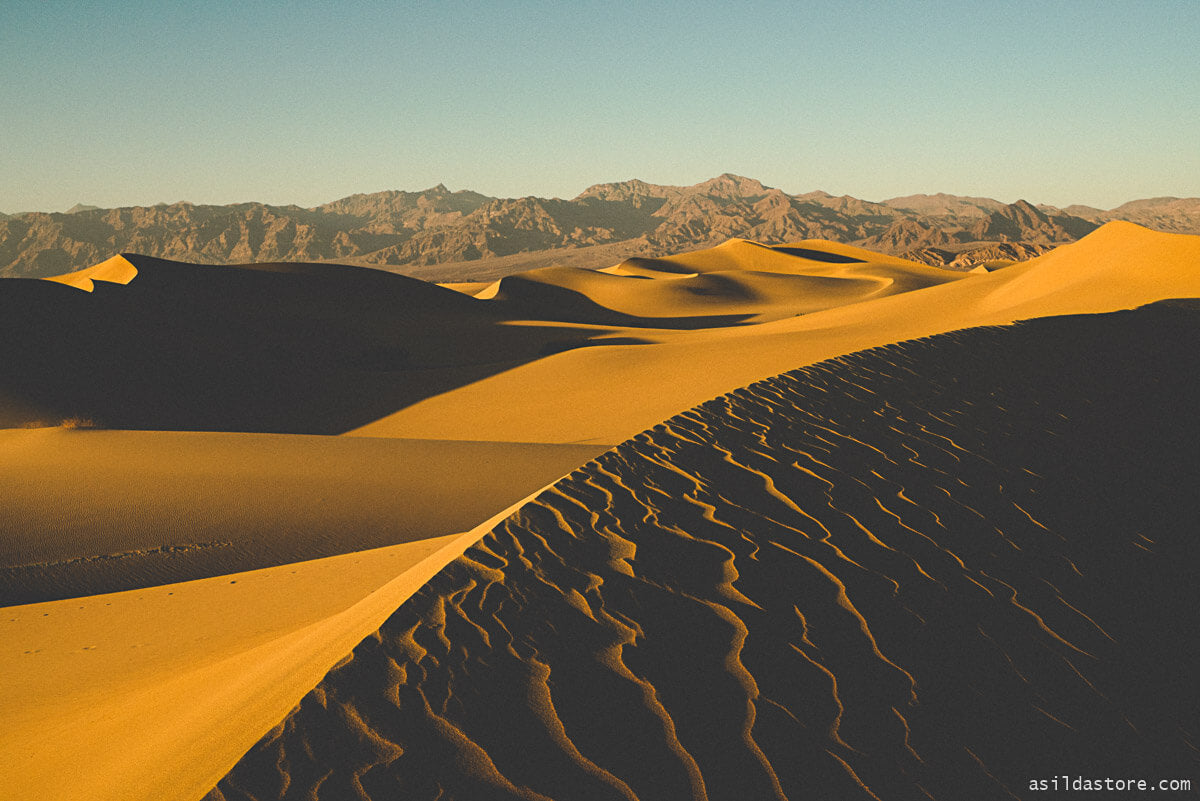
(1119, 266)
(927, 570)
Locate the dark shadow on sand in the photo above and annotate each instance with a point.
(818, 255)
(315, 349)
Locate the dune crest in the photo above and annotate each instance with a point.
(557, 399)
(1120, 262)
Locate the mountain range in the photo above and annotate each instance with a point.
(438, 234)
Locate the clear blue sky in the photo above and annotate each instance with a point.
(113, 103)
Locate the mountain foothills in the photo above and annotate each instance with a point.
(437, 234)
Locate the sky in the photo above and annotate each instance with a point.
(118, 104)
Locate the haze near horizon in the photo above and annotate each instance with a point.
(134, 104)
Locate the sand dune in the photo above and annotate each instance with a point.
(331, 349)
(558, 399)
(1119, 262)
(306, 349)
(322, 349)
(463, 401)
(930, 570)
(742, 254)
(707, 299)
(87, 512)
(472, 288)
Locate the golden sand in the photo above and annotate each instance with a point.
(154, 693)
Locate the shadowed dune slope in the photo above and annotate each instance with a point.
(286, 348)
(936, 569)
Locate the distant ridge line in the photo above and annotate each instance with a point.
(438, 234)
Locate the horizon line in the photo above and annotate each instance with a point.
(442, 186)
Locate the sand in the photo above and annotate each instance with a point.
(92, 511)
(156, 691)
(117, 270)
(153, 694)
(558, 399)
(472, 288)
(933, 570)
(742, 254)
(536, 365)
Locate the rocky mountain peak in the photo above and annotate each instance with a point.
(405, 230)
(730, 185)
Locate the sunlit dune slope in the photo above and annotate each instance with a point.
(1119, 262)
(932, 570)
(87, 512)
(117, 270)
(608, 394)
